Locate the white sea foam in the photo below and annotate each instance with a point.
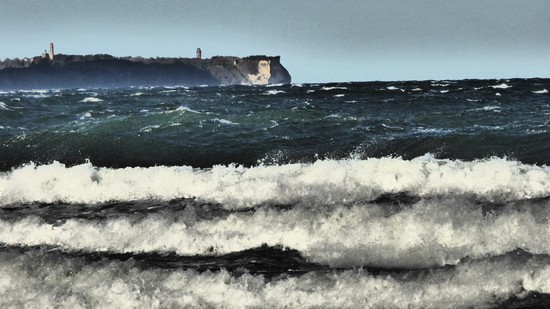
(333, 88)
(38, 91)
(4, 106)
(137, 94)
(187, 109)
(434, 131)
(86, 116)
(487, 108)
(427, 234)
(33, 281)
(501, 86)
(543, 91)
(91, 100)
(150, 128)
(225, 121)
(273, 92)
(339, 95)
(325, 182)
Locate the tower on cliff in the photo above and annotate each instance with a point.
(199, 53)
(51, 52)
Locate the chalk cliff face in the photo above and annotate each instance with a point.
(73, 71)
(253, 70)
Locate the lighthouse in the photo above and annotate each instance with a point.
(199, 53)
(51, 52)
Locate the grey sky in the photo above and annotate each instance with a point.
(319, 41)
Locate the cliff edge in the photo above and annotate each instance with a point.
(103, 71)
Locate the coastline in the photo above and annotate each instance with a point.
(105, 71)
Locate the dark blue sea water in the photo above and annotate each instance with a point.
(380, 194)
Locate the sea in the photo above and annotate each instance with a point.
(413, 194)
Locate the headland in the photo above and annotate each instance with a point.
(101, 71)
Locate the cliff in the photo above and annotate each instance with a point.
(100, 71)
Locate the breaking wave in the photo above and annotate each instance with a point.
(326, 182)
(51, 281)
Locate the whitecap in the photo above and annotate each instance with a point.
(543, 91)
(38, 91)
(187, 109)
(501, 86)
(149, 128)
(4, 106)
(86, 115)
(333, 88)
(392, 127)
(393, 88)
(225, 121)
(30, 279)
(273, 124)
(137, 94)
(443, 91)
(235, 187)
(273, 92)
(90, 100)
(433, 131)
(427, 233)
(339, 95)
(486, 108)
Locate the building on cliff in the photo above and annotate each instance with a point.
(198, 53)
(51, 52)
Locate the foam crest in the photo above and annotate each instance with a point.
(501, 86)
(42, 281)
(322, 182)
(273, 92)
(427, 234)
(91, 100)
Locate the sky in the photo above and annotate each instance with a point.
(318, 41)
